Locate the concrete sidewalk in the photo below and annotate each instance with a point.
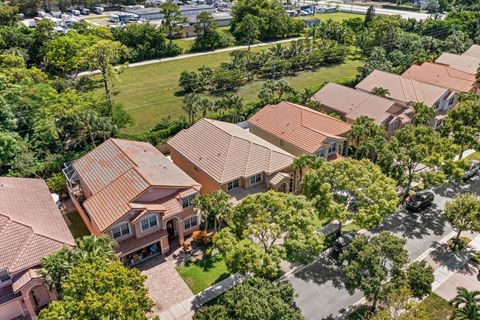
(186, 309)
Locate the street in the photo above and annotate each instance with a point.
(320, 289)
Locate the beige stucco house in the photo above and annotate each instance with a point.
(131, 192)
(31, 227)
(224, 156)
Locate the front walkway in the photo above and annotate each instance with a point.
(165, 286)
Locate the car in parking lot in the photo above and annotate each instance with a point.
(342, 242)
(472, 170)
(420, 200)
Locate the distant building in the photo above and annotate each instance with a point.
(154, 13)
(422, 4)
(310, 22)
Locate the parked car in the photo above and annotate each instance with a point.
(85, 11)
(342, 195)
(472, 170)
(98, 10)
(420, 200)
(342, 243)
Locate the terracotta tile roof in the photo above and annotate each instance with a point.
(225, 152)
(465, 63)
(7, 294)
(301, 126)
(473, 51)
(442, 76)
(402, 89)
(31, 226)
(119, 171)
(354, 103)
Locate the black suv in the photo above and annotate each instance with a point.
(342, 243)
(420, 200)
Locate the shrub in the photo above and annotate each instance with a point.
(200, 237)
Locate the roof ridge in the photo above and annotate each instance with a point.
(121, 150)
(6, 226)
(24, 247)
(226, 155)
(247, 159)
(308, 109)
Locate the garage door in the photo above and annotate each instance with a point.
(10, 310)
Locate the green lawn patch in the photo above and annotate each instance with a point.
(150, 92)
(204, 273)
(437, 308)
(185, 44)
(336, 16)
(474, 156)
(78, 227)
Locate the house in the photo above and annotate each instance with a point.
(465, 63)
(473, 51)
(131, 192)
(31, 227)
(155, 14)
(351, 104)
(310, 21)
(224, 156)
(301, 130)
(408, 92)
(443, 76)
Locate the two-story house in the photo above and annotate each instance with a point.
(301, 130)
(130, 191)
(407, 92)
(351, 104)
(224, 156)
(31, 227)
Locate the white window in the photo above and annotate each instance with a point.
(188, 200)
(149, 222)
(232, 185)
(256, 178)
(191, 222)
(332, 148)
(120, 230)
(321, 152)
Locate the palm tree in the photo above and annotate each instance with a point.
(282, 87)
(92, 248)
(379, 91)
(231, 102)
(278, 50)
(214, 204)
(467, 305)
(204, 105)
(55, 267)
(190, 102)
(303, 162)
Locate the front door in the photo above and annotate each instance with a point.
(170, 229)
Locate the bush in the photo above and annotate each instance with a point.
(420, 278)
(201, 237)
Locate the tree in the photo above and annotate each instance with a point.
(233, 103)
(401, 305)
(463, 123)
(56, 267)
(266, 228)
(377, 61)
(466, 304)
(249, 29)
(104, 55)
(101, 291)
(351, 189)
(215, 204)
(255, 298)
(379, 91)
(303, 163)
(423, 114)
(204, 105)
(369, 15)
(419, 278)
(412, 146)
(190, 102)
(8, 15)
(463, 213)
(208, 37)
(368, 136)
(172, 18)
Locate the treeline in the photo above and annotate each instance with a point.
(278, 61)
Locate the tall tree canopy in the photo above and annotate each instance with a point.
(463, 212)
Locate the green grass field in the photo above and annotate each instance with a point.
(337, 16)
(204, 273)
(150, 92)
(78, 227)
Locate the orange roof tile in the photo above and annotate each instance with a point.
(31, 226)
(473, 51)
(442, 76)
(301, 126)
(225, 152)
(465, 63)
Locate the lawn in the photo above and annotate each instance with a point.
(150, 92)
(437, 308)
(474, 156)
(337, 16)
(204, 273)
(78, 227)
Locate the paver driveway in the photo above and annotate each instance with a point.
(320, 289)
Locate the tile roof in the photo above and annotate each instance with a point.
(473, 51)
(7, 294)
(225, 152)
(301, 126)
(25, 277)
(354, 103)
(465, 63)
(402, 89)
(31, 226)
(442, 76)
(118, 171)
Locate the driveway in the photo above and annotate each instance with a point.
(320, 289)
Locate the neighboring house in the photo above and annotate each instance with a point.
(473, 51)
(130, 191)
(422, 4)
(301, 130)
(223, 156)
(408, 92)
(310, 22)
(443, 76)
(31, 227)
(465, 63)
(351, 104)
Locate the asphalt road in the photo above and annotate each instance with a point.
(320, 289)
